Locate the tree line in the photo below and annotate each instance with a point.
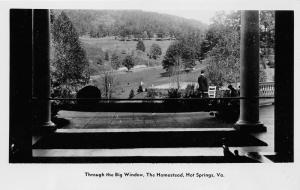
(124, 23)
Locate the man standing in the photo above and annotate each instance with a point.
(203, 85)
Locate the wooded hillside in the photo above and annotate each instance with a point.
(130, 23)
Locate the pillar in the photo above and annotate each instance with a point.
(41, 66)
(284, 85)
(20, 118)
(249, 73)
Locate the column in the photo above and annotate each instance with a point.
(249, 72)
(41, 66)
(284, 85)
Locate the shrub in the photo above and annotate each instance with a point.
(191, 92)
(151, 93)
(88, 92)
(174, 93)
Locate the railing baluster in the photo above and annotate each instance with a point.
(266, 89)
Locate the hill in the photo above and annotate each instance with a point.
(136, 23)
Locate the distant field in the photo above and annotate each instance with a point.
(93, 45)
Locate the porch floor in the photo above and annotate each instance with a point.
(95, 122)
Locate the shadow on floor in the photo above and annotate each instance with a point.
(146, 140)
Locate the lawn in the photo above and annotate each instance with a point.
(125, 81)
(93, 45)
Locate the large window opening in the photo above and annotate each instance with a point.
(128, 65)
(120, 83)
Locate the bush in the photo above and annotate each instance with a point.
(174, 93)
(191, 92)
(151, 93)
(88, 92)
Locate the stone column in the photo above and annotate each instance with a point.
(249, 73)
(41, 66)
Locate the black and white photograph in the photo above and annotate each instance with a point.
(160, 85)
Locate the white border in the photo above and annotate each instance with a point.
(71, 176)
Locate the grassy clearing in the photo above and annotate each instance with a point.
(125, 81)
(93, 45)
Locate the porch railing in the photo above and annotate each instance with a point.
(266, 89)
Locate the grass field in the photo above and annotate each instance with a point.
(93, 45)
(125, 81)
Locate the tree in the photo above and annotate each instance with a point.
(99, 60)
(222, 47)
(173, 63)
(267, 29)
(172, 57)
(188, 56)
(108, 84)
(155, 51)
(267, 37)
(145, 35)
(115, 61)
(69, 65)
(128, 62)
(140, 46)
(212, 37)
(106, 56)
(224, 59)
(131, 94)
(222, 24)
(191, 43)
(140, 89)
(180, 55)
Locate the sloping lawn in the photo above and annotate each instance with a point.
(125, 81)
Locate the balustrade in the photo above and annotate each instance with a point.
(266, 89)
